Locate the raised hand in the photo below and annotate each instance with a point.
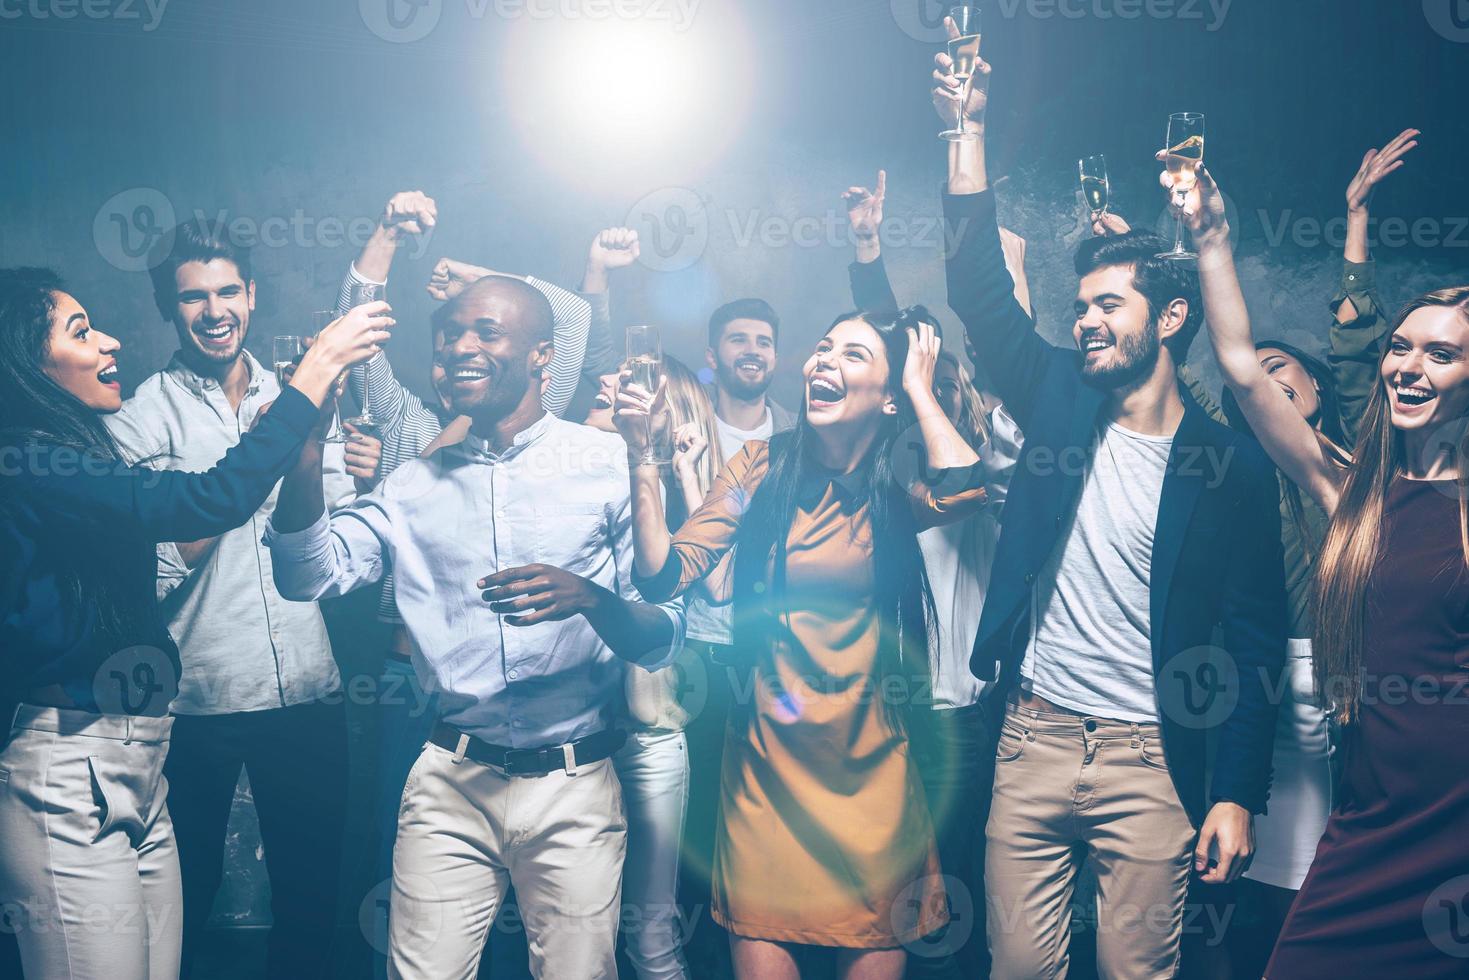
(864, 214)
(638, 413)
(921, 363)
(1377, 164)
(1109, 224)
(450, 277)
(614, 248)
(948, 91)
(409, 213)
(689, 446)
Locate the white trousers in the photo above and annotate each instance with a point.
(466, 832)
(1300, 793)
(89, 874)
(653, 768)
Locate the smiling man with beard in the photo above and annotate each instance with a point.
(511, 553)
(742, 338)
(259, 688)
(1120, 555)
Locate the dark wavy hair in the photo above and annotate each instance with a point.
(1161, 281)
(35, 410)
(33, 407)
(902, 590)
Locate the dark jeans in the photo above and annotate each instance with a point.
(954, 750)
(297, 761)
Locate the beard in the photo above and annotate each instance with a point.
(1135, 357)
(733, 382)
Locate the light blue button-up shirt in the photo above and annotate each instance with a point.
(557, 496)
(242, 645)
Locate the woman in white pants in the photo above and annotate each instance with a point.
(89, 874)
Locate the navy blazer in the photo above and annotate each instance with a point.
(1216, 553)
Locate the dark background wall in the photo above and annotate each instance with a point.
(299, 120)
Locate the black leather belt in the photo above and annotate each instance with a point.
(530, 762)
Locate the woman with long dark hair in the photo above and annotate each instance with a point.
(1391, 633)
(824, 836)
(88, 866)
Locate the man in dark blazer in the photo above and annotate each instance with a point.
(1134, 528)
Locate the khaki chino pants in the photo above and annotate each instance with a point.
(467, 831)
(1065, 781)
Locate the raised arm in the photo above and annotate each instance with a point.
(1358, 329)
(1286, 435)
(871, 290)
(949, 482)
(611, 249)
(981, 289)
(407, 215)
(172, 505)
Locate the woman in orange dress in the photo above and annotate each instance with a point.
(824, 836)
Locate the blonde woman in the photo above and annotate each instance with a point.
(1391, 641)
(654, 763)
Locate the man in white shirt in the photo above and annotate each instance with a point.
(741, 353)
(511, 553)
(259, 688)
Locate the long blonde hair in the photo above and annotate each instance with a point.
(688, 401)
(1354, 539)
(974, 423)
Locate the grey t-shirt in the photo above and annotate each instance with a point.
(1091, 633)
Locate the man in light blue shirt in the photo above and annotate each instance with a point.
(512, 557)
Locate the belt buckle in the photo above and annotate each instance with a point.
(568, 758)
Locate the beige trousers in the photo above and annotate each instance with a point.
(89, 875)
(1063, 782)
(466, 832)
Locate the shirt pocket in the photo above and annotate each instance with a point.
(572, 537)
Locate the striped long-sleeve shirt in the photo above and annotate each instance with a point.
(408, 424)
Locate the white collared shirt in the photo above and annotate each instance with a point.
(243, 646)
(557, 496)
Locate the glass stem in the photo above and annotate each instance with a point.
(1178, 238)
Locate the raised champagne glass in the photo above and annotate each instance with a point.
(645, 363)
(1096, 189)
(286, 354)
(964, 52)
(1184, 155)
(363, 421)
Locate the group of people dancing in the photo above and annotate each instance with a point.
(873, 680)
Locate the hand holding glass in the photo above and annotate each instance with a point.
(964, 53)
(1184, 155)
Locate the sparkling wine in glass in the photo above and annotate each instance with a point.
(363, 421)
(964, 51)
(1095, 187)
(1185, 154)
(645, 363)
(286, 354)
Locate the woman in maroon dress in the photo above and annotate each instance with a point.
(1388, 892)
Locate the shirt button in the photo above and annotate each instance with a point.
(1029, 579)
(512, 674)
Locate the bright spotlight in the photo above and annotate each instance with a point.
(617, 93)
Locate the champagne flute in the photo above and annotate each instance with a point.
(964, 52)
(286, 354)
(320, 319)
(1095, 187)
(363, 421)
(1185, 153)
(645, 362)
